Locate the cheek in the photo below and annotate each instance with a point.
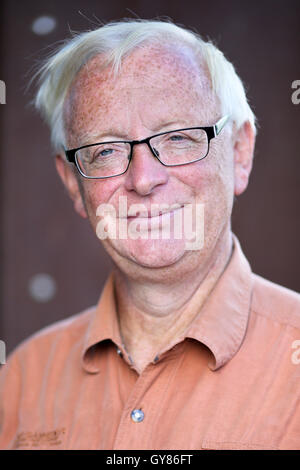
(220, 194)
(212, 184)
(95, 193)
(208, 176)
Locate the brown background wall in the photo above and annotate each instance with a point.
(41, 233)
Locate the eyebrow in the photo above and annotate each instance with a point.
(113, 134)
(90, 138)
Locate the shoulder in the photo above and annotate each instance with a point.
(62, 336)
(276, 302)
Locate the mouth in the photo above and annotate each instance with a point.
(156, 221)
(154, 213)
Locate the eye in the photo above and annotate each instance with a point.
(177, 137)
(109, 150)
(179, 140)
(104, 153)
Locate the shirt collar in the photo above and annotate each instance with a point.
(221, 323)
(103, 325)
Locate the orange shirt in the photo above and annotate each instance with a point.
(232, 381)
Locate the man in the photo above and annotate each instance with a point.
(187, 348)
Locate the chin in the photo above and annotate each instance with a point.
(148, 253)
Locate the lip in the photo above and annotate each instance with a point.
(153, 215)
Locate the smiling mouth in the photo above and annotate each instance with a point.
(154, 214)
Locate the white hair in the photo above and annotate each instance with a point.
(116, 40)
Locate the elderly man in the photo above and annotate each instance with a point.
(187, 348)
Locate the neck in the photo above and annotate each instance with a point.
(152, 314)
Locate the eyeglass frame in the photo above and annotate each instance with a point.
(211, 132)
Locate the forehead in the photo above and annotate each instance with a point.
(156, 84)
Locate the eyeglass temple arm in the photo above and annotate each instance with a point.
(220, 124)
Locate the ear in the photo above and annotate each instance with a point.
(243, 157)
(70, 181)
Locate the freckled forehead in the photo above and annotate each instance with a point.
(153, 81)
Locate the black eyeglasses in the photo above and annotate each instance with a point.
(172, 148)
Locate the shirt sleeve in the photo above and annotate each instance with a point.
(10, 393)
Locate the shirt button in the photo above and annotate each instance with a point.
(119, 352)
(137, 416)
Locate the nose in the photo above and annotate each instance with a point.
(145, 171)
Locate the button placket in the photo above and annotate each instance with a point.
(129, 433)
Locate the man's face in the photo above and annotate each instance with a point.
(159, 89)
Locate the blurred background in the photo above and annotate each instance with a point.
(52, 265)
